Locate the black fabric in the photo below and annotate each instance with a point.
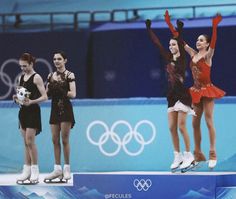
(30, 116)
(175, 70)
(61, 107)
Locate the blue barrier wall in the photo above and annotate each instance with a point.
(118, 135)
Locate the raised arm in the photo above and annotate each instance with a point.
(215, 21)
(156, 41)
(180, 40)
(175, 34)
(170, 25)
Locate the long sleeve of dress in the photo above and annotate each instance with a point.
(170, 25)
(215, 23)
(181, 42)
(156, 41)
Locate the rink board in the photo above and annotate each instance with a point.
(133, 185)
(118, 135)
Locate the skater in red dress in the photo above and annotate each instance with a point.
(203, 91)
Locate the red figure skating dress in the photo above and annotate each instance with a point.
(202, 82)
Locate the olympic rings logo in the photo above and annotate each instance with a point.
(11, 84)
(142, 185)
(120, 143)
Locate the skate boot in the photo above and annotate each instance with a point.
(34, 178)
(56, 174)
(199, 158)
(188, 162)
(212, 160)
(25, 175)
(178, 159)
(66, 172)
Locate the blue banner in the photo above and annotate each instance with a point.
(131, 186)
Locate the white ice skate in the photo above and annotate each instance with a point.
(212, 164)
(66, 172)
(188, 162)
(55, 175)
(212, 160)
(178, 160)
(24, 178)
(34, 178)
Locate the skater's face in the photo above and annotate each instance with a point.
(59, 61)
(202, 42)
(173, 46)
(25, 66)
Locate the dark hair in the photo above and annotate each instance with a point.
(62, 53)
(28, 57)
(208, 39)
(174, 38)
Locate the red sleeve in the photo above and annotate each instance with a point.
(216, 20)
(171, 27)
(157, 42)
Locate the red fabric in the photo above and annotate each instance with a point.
(215, 21)
(171, 27)
(202, 82)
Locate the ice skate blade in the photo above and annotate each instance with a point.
(34, 182)
(177, 169)
(66, 180)
(54, 181)
(26, 182)
(190, 167)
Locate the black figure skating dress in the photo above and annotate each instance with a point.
(61, 107)
(30, 116)
(178, 96)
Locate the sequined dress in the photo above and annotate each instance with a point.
(61, 107)
(203, 86)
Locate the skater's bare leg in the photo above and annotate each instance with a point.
(31, 146)
(65, 133)
(57, 172)
(55, 129)
(182, 116)
(27, 155)
(172, 120)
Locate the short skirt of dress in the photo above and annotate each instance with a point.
(66, 115)
(178, 92)
(179, 106)
(209, 91)
(30, 117)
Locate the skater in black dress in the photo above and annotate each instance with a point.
(30, 116)
(61, 88)
(178, 96)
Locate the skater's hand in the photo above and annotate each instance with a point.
(216, 20)
(15, 99)
(167, 17)
(27, 102)
(180, 24)
(148, 23)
